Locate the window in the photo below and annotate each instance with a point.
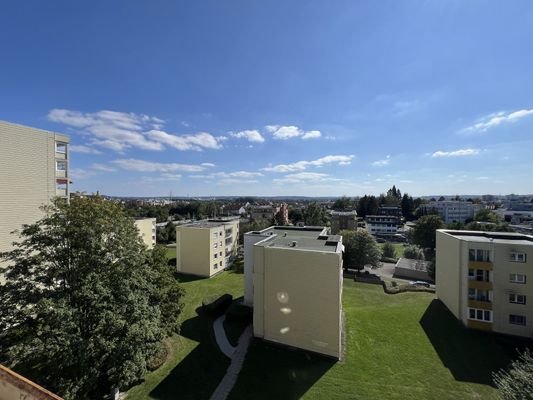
(61, 147)
(215, 234)
(480, 315)
(517, 319)
(220, 254)
(479, 275)
(221, 263)
(215, 265)
(518, 257)
(61, 165)
(216, 245)
(216, 255)
(517, 278)
(478, 255)
(221, 243)
(479, 294)
(517, 298)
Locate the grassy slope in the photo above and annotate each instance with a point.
(195, 365)
(396, 347)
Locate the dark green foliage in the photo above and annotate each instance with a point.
(85, 305)
(413, 252)
(367, 205)
(295, 215)
(388, 250)
(517, 382)
(343, 203)
(251, 226)
(487, 215)
(408, 207)
(314, 215)
(424, 233)
(360, 249)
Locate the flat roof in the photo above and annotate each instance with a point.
(491, 237)
(303, 238)
(210, 223)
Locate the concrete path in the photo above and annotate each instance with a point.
(221, 338)
(237, 359)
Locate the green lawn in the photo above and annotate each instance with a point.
(398, 247)
(195, 365)
(170, 252)
(405, 346)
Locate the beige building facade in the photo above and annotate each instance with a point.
(205, 248)
(293, 280)
(147, 231)
(486, 279)
(34, 169)
(343, 220)
(15, 387)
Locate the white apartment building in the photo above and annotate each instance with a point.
(486, 279)
(382, 224)
(147, 231)
(34, 169)
(453, 211)
(205, 248)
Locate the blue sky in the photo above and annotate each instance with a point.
(277, 97)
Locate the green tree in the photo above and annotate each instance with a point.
(360, 249)
(343, 203)
(170, 230)
(408, 207)
(486, 215)
(424, 232)
(85, 304)
(296, 215)
(388, 250)
(413, 252)
(367, 205)
(517, 382)
(314, 215)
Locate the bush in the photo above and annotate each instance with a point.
(388, 251)
(158, 358)
(413, 252)
(217, 307)
(388, 260)
(238, 312)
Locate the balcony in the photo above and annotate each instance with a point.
(61, 192)
(481, 325)
(483, 265)
(480, 304)
(61, 173)
(481, 285)
(229, 234)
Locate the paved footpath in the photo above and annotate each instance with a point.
(237, 358)
(221, 338)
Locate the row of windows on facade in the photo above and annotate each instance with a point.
(484, 255)
(216, 265)
(486, 316)
(486, 295)
(484, 276)
(216, 255)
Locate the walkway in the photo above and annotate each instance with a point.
(237, 355)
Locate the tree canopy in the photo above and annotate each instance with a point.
(360, 249)
(85, 305)
(517, 382)
(424, 232)
(314, 215)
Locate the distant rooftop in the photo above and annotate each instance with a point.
(211, 223)
(303, 238)
(491, 237)
(347, 213)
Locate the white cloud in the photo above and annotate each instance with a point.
(303, 165)
(290, 132)
(120, 131)
(307, 177)
(237, 174)
(456, 153)
(382, 163)
(78, 148)
(132, 164)
(311, 135)
(103, 168)
(197, 141)
(207, 164)
(495, 119)
(250, 135)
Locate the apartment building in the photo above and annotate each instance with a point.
(486, 279)
(147, 231)
(453, 211)
(390, 210)
(293, 280)
(15, 387)
(382, 224)
(205, 248)
(35, 168)
(341, 220)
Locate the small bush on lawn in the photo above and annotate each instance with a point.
(217, 307)
(158, 358)
(238, 312)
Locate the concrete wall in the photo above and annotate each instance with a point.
(146, 227)
(298, 298)
(448, 274)
(27, 176)
(15, 387)
(249, 240)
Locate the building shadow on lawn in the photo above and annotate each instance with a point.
(200, 372)
(470, 355)
(184, 278)
(271, 371)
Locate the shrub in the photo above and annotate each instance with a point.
(413, 252)
(217, 307)
(388, 251)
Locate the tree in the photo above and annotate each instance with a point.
(343, 203)
(408, 207)
(314, 215)
(424, 232)
(388, 250)
(413, 252)
(360, 249)
(367, 205)
(486, 215)
(85, 304)
(296, 215)
(517, 382)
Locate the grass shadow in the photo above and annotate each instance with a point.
(276, 372)
(184, 278)
(470, 355)
(198, 374)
